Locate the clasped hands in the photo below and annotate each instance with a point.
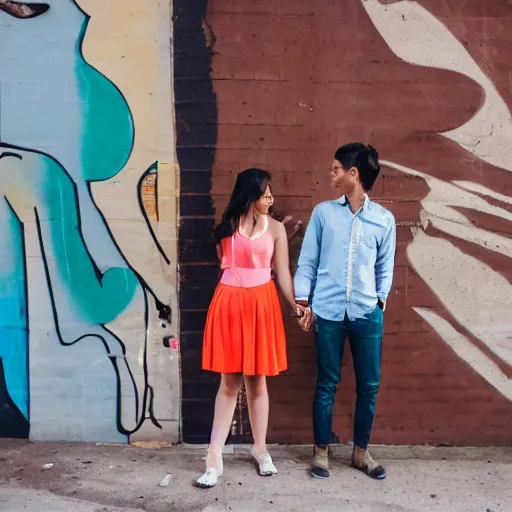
(304, 315)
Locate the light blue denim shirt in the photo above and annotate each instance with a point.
(346, 261)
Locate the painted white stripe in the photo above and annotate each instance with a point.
(437, 211)
(480, 189)
(418, 37)
(468, 352)
(476, 295)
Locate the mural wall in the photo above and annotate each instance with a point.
(473, 293)
(87, 222)
(426, 82)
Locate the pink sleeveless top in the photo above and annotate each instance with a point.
(247, 262)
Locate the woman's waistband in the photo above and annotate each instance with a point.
(245, 277)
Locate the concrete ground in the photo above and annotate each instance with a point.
(115, 478)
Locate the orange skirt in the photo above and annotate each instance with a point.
(244, 331)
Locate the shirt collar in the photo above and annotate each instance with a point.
(344, 201)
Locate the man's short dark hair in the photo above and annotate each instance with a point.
(364, 158)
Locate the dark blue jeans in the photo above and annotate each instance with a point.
(365, 337)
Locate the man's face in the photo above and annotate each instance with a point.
(341, 179)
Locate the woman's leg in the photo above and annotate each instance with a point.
(257, 401)
(225, 404)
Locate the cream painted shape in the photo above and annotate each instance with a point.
(129, 42)
(473, 356)
(437, 210)
(471, 291)
(418, 37)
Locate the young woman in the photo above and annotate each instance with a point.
(244, 335)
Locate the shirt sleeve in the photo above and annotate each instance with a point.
(385, 263)
(309, 257)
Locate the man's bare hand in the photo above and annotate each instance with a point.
(305, 316)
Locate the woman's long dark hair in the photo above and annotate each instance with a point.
(250, 185)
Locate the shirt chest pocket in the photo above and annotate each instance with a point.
(369, 242)
(366, 242)
(366, 234)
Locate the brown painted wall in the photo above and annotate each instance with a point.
(281, 85)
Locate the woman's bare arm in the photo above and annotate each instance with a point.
(282, 265)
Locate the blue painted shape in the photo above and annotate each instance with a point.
(13, 309)
(107, 137)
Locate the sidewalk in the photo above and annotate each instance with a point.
(116, 478)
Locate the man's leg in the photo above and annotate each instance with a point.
(329, 341)
(365, 335)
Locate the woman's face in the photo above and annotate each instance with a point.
(263, 204)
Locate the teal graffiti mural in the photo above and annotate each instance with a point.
(73, 312)
(13, 326)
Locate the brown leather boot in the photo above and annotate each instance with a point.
(320, 466)
(363, 461)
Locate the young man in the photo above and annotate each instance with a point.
(345, 272)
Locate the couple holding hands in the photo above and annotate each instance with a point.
(343, 279)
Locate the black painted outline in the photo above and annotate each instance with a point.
(12, 405)
(162, 308)
(39, 9)
(64, 343)
(7, 154)
(148, 172)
